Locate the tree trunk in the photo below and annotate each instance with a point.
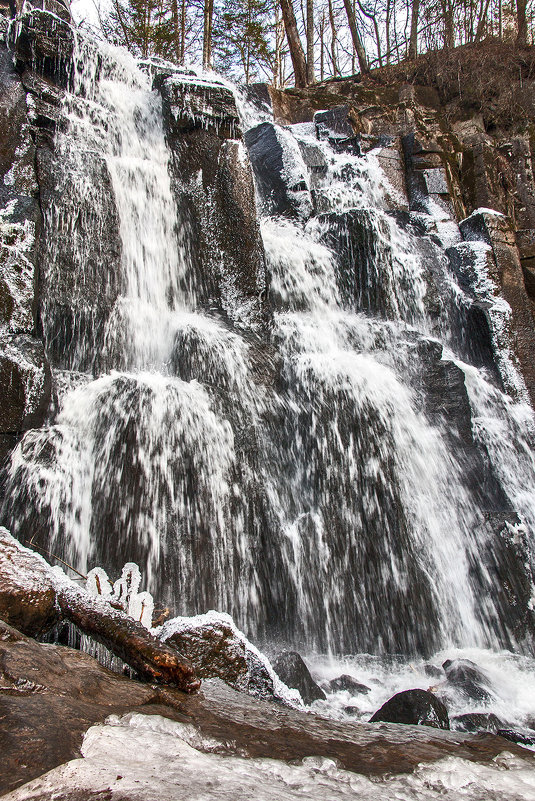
(357, 42)
(481, 22)
(207, 34)
(333, 39)
(449, 33)
(387, 31)
(176, 29)
(182, 55)
(413, 42)
(310, 42)
(294, 43)
(126, 638)
(279, 34)
(521, 23)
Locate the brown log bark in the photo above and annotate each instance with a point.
(297, 53)
(125, 637)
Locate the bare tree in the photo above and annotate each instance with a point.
(413, 41)
(521, 22)
(310, 42)
(297, 53)
(332, 23)
(207, 34)
(357, 41)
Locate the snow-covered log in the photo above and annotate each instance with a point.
(25, 576)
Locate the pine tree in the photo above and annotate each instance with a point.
(243, 40)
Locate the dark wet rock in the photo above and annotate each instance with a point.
(191, 103)
(433, 672)
(426, 176)
(213, 185)
(280, 171)
(45, 42)
(468, 679)
(477, 721)
(339, 127)
(291, 669)
(417, 707)
(258, 95)
(515, 736)
(351, 710)
(348, 683)
(76, 312)
(216, 649)
(25, 384)
(314, 158)
(506, 271)
(27, 600)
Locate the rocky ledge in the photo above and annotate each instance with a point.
(50, 695)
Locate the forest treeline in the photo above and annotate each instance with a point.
(302, 41)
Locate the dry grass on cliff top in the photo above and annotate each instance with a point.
(494, 78)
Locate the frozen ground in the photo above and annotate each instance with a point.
(150, 758)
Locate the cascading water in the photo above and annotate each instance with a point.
(309, 478)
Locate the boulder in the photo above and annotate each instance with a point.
(477, 721)
(291, 669)
(217, 649)
(348, 683)
(27, 599)
(465, 676)
(433, 672)
(339, 128)
(191, 103)
(25, 384)
(416, 707)
(280, 172)
(515, 736)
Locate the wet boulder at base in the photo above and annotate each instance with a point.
(414, 707)
(217, 649)
(291, 669)
(465, 676)
(477, 721)
(348, 683)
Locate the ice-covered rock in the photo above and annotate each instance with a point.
(27, 597)
(217, 649)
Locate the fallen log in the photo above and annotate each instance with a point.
(128, 639)
(151, 659)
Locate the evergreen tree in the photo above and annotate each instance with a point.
(243, 40)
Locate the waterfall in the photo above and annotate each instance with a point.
(306, 476)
